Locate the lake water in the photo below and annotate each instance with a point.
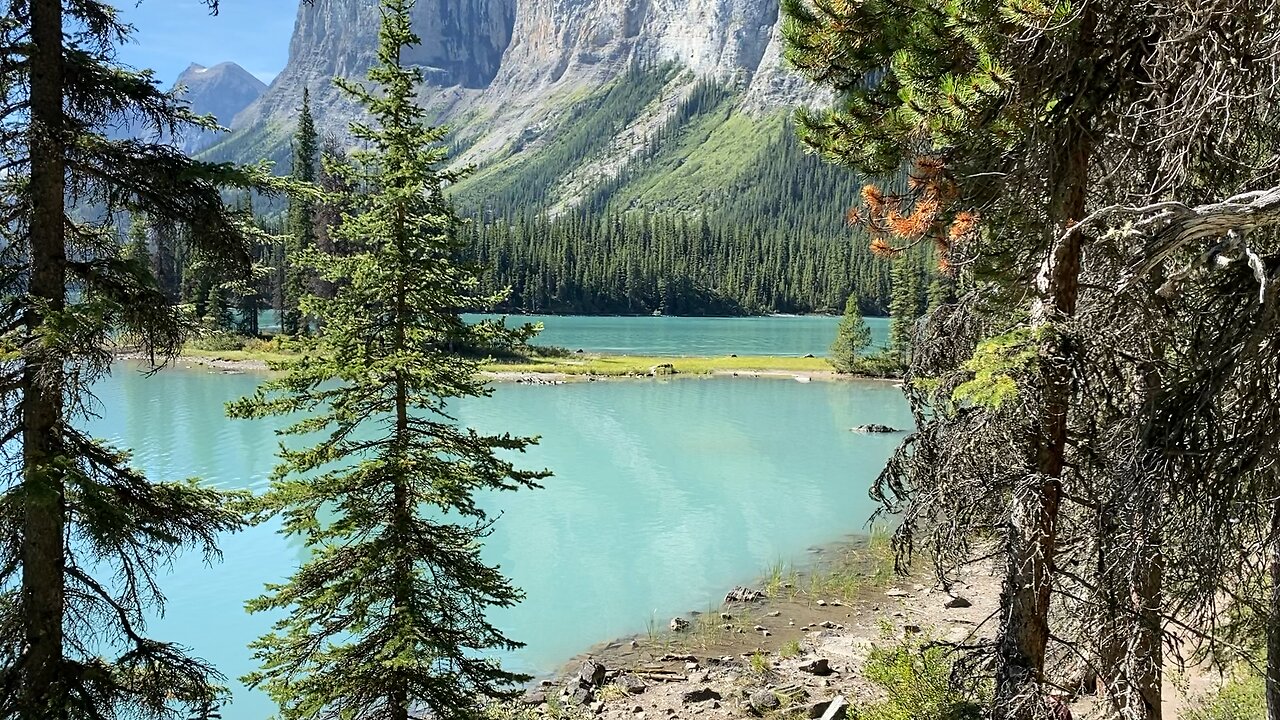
(647, 335)
(666, 494)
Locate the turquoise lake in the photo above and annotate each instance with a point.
(647, 335)
(666, 494)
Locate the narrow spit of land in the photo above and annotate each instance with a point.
(575, 367)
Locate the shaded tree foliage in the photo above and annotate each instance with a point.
(1019, 121)
(85, 532)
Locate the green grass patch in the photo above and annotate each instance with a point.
(790, 650)
(266, 356)
(1241, 697)
(599, 365)
(915, 680)
(624, 365)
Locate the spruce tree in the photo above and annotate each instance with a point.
(904, 308)
(86, 532)
(301, 232)
(386, 617)
(135, 248)
(853, 336)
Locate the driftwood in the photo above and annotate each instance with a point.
(1173, 226)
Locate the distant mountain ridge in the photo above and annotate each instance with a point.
(224, 91)
(511, 76)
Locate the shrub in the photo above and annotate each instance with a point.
(1242, 697)
(218, 341)
(258, 345)
(550, 351)
(917, 683)
(883, 364)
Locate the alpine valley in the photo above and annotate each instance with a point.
(629, 156)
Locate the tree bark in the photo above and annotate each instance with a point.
(1037, 498)
(1143, 687)
(1273, 624)
(41, 408)
(402, 593)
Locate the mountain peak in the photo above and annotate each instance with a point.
(222, 91)
(223, 73)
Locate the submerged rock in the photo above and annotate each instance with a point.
(874, 428)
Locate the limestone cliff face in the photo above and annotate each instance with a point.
(509, 60)
(463, 42)
(596, 38)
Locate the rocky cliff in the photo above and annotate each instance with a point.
(507, 73)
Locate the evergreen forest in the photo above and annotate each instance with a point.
(1068, 210)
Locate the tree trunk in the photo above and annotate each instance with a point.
(1037, 498)
(42, 380)
(1273, 624)
(402, 593)
(1143, 687)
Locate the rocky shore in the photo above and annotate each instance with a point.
(793, 646)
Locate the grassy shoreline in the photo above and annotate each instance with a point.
(601, 365)
(576, 366)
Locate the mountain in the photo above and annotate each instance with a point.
(518, 78)
(628, 155)
(223, 91)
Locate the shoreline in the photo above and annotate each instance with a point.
(800, 650)
(559, 372)
(758, 656)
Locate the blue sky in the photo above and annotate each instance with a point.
(172, 34)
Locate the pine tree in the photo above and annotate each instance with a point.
(135, 249)
(904, 308)
(942, 291)
(387, 616)
(87, 532)
(302, 234)
(852, 337)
